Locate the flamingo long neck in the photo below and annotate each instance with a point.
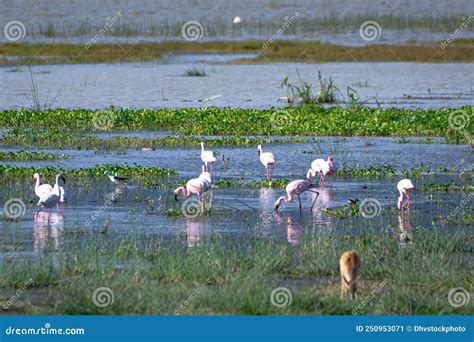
(202, 147)
(37, 179)
(182, 190)
(311, 173)
(279, 200)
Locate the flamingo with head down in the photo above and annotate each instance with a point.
(404, 187)
(296, 188)
(196, 185)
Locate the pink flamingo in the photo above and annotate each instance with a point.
(267, 159)
(404, 187)
(324, 168)
(196, 185)
(297, 187)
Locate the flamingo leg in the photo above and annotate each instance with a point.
(270, 172)
(317, 195)
(299, 200)
(37, 212)
(266, 171)
(321, 180)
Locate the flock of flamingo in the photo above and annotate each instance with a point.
(53, 196)
(323, 167)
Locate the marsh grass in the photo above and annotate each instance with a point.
(154, 276)
(27, 54)
(34, 97)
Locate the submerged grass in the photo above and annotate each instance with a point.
(302, 120)
(235, 276)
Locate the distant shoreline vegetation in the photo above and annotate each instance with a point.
(459, 50)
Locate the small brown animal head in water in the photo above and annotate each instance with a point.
(349, 267)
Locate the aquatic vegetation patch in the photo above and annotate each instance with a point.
(59, 139)
(195, 72)
(27, 156)
(10, 171)
(309, 120)
(437, 187)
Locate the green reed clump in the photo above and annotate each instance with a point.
(27, 156)
(195, 72)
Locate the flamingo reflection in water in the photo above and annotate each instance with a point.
(47, 229)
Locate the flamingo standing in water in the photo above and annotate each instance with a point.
(43, 190)
(49, 200)
(404, 187)
(324, 168)
(297, 187)
(196, 185)
(267, 159)
(207, 156)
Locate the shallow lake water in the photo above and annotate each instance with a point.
(157, 85)
(237, 211)
(316, 20)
